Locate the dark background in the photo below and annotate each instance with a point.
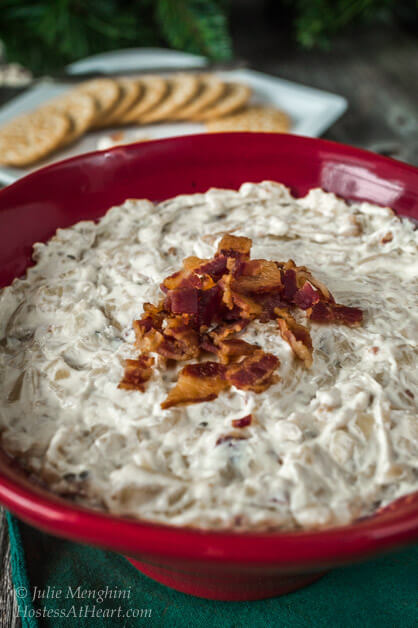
(375, 66)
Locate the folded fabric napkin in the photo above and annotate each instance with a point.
(59, 583)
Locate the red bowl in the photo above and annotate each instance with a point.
(217, 565)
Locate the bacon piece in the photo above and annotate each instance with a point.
(254, 372)
(181, 340)
(137, 373)
(192, 263)
(178, 341)
(233, 349)
(148, 330)
(294, 278)
(323, 312)
(174, 350)
(150, 341)
(191, 281)
(268, 303)
(225, 285)
(289, 284)
(259, 276)
(296, 335)
(320, 313)
(185, 280)
(191, 275)
(203, 282)
(228, 350)
(247, 306)
(207, 344)
(155, 311)
(172, 282)
(143, 326)
(153, 319)
(235, 266)
(214, 268)
(182, 300)
(303, 275)
(175, 280)
(234, 246)
(197, 383)
(209, 305)
(233, 315)
(224, 331)
(306, 296)
(245, 421)
(204, 304)
(345, 315)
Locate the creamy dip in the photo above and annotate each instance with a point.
(327, 444)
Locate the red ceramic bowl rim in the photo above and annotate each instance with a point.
(396, 526)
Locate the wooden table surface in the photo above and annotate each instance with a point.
(376, 70)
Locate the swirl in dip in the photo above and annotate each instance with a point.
(325, 444)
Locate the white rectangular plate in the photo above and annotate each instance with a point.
(312, 111)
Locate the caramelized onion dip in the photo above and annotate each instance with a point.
(325, 445)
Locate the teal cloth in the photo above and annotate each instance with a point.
(381, 592)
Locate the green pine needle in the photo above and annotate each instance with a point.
(48, 34)
(196, 26)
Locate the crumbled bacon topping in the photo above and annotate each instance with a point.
(296, 335)
(222, 332)
(387, 238)
(208, 302)
(245, 421)
(137, 372)
(234, 246)
(323, 312)
(196, 383)
(306, 296)
(254, 372)
(289, 283)
(234, 349)
(258, 276)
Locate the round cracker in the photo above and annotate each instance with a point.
(181, 90)
(257, 118)
(235, 97)
(80, 107)
(131, 91)
(211, 89)
(154, 89)
(105, 91)
(30, 137)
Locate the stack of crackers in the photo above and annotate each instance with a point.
(107, 102)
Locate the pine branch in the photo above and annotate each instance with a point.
(49, 34)
(197, 26)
